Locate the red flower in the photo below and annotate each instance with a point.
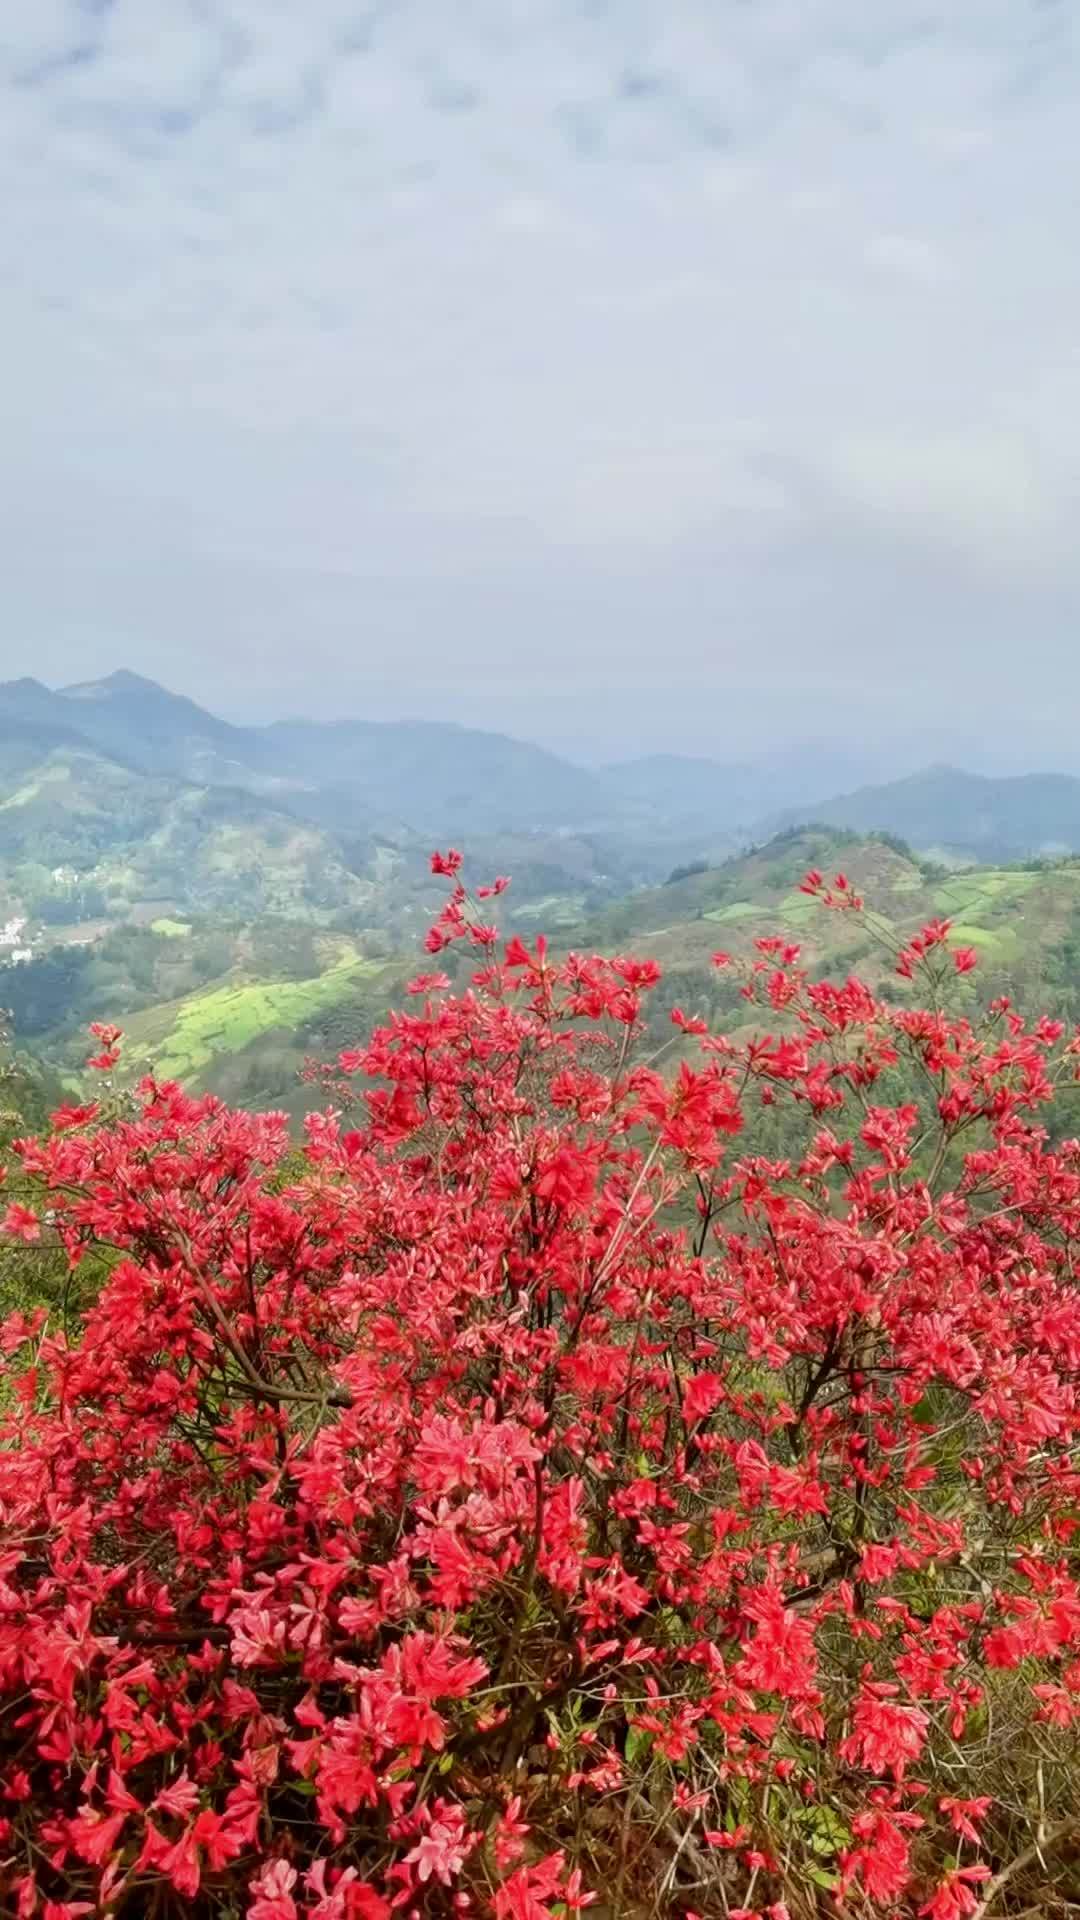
(21, 1222)
(447, 863)
(953, 1898)
(702, 1396)
(524, 1417)
(887, 1735)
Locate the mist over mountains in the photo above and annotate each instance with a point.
(418, 779)
(425, 775)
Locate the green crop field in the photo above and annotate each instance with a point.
(997, 942)
(178, 1040)
(738, 910)
(984, 887)
(799, 910)
(554, 910)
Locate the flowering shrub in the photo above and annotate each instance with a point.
(533, 1500)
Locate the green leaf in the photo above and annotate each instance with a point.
(821, 1878)
(825, 1831)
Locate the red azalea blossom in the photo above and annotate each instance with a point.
(955, 1898)
(21, 1222)
(573, 1472)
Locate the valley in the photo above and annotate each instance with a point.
(241, 900)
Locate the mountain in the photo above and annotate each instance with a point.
(23, 743)
(1012, 818)
(121, 803)
(84, 836)
(147, 797)
(426, 780)
(710, 794)
(437, 778)
(134, 719)
(141, 725)
(443, 780)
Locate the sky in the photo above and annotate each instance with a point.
(625, 374)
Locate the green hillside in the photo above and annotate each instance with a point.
(121, 803)
(83, 837)
(1024, 922)
(181, 1039)
(240, 897)
(238, 1011)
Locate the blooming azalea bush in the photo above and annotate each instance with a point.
(532, 1499)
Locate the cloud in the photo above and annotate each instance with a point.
(907, 256)
(657, 300)
(989, 494)
(38, 42)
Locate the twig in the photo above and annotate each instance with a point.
(1022, 1860)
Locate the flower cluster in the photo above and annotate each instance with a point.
(532, 1497)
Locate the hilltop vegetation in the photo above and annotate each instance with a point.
(120, 801)
(400, 777)
(236, 1007)
(231, 1007)
(1023, 921)
(248, 1038)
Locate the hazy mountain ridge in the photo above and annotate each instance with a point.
(144, 796)
(1011, 817)
(120, 801)
(430, 777)
(423, 774)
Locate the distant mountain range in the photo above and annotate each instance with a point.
(122, 771)
(427, 776)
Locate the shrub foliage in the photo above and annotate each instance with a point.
(528, 1499)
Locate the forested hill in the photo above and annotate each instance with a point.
(958, 813)
(1022, 921)
(237, 1007)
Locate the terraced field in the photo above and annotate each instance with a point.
(1024, 922)
(181, 1039)
(247, 1031)
(738, 910)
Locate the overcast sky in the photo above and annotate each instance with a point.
(624, 373)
